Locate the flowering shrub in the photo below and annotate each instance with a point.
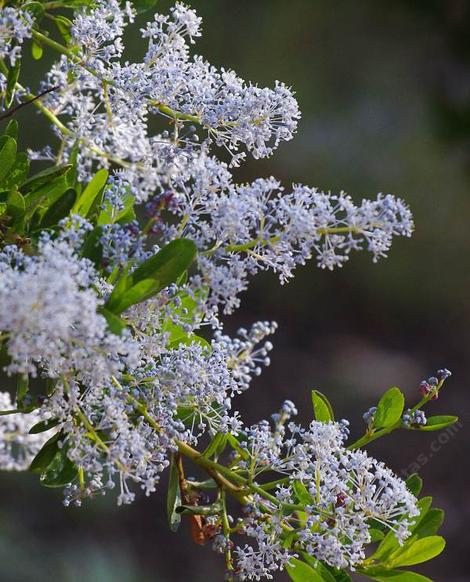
(117, 264)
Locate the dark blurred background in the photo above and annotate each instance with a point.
(385, 92)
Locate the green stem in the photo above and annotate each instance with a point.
(226, 530)
(274, 239)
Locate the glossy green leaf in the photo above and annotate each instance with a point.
(86, 199)
(397, 576)
(153, 275)
(389, 408)
(92, 248)
(7, 155)
(12, 129)
(60, 209)
(44, 177)
(43, 426)
(326, 573)
(299, 571)
(376, 535)
(390, 544)
(45, 456)
(18, 172)
(15, 205)
(216, 446)
(302, 493)
(414, 484)
(115, 323)
(168, 264)
(109, 215)
(419, 551)
(60, 472)
(36, 9)
(429, 524)
(321, 407)
(63, 25)
(136, 294)
(36, 50)
(438, 422)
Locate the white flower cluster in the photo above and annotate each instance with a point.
(109, 102)
(242, 229)
(48, 314)
(125, 432)
(15, 27)
(346, 491)
(17, 447)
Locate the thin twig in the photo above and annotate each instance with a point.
(12, 111)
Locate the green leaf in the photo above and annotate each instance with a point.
(18, 172)
(216, 446)
(60, 472)
(234, 443)
(376, 535)
(143, 5)
(13, 74)
(301, 572)
(389, 408)
(64, 24)
(173, 500)
(86, 199)
(36, 9)
(390, 544)
(12, 129)
(36, 50)
(153, 275)
(136, 294)
(429, 524)
(168, 264)
(438, 422)
(15, 205)
(44, 177)
(321, 407)
(59, 209)
(414, 484)
(397, 576)
(109, 215)
(46, 455)
(419, 551)
(115, 324)
(7, 155)
(321, 569)
(302, 493)
(43, 426)
(92, 248)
